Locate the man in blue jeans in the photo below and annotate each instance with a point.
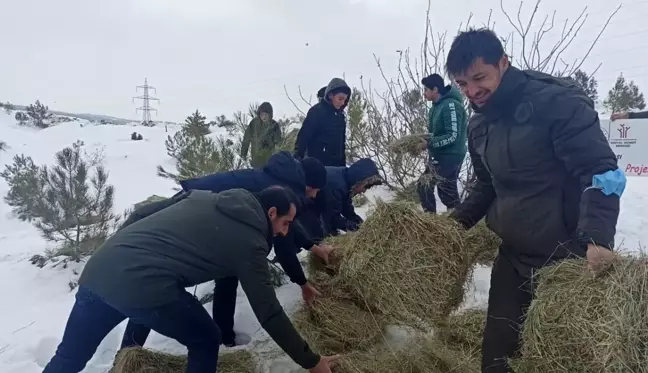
(447, 144)
(141, 273)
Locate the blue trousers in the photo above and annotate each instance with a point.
(91, 319)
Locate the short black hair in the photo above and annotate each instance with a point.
(320, 93)
(433, 81)
(471, 45)
(279, 197)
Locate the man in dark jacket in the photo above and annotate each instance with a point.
(446, 144)
(323, 133)
(547, 180)
(141, 273)
(305, 178)
(262, 136)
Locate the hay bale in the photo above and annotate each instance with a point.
(334, 324)
(360, 200)
(407, 264)
(340, 243)
(463, 331)
(413, 145)
(140, 360)
(581, 323)
(484, 243)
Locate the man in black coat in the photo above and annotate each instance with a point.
(305, 178)
(323, 133)
(547, 180)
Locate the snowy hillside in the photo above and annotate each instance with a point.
(36, 302)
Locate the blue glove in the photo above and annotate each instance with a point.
(610, 182)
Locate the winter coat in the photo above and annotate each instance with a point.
(535, 147)
(339, 213)
(323, 133)
(447, 127)
(281, 169)
(261, 138)
(202, 237)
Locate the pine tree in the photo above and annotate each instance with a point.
(197, 124)
(624, 96)
(8, 107)
(21, 117)
(587, 83)
(357, 126)
(22, 177)
(3, 146)
(39, 114)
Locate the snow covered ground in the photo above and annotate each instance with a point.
(36, 302)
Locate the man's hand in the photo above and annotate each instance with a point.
(323, 251)
(325, 364)
(620, 115)
(309, 293)
(598, 258)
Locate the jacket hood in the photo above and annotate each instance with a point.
(361, 170)
(337, 84)
(453, 93)
(265, 107)
(283, 166)
(242, 206)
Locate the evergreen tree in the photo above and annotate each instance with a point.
(3, 146)
(624, 96)
(197, 124)
(587, 83)
(22, 177)
(39, 114)
(21, 117)
(8, 107)
(356, 124)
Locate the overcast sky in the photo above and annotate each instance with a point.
(217, 56)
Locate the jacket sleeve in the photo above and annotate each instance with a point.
(481, 195)
(254, 276)
(348, 211)
(335, 207)
(305, 134)
(286, 251)
(451, 115)
(247, 137)
(638, 115)
(581, 145)
(216, 183)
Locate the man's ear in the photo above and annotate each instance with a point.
(272, 213)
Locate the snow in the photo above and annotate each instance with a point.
(36, 302)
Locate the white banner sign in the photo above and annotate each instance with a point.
(629, 141)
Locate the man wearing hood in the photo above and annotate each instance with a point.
(323, 133)
(262, 136)
(446, 144)
(141, 273)
(304, 178)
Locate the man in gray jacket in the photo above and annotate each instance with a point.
(141, 273)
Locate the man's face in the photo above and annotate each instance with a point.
(281, 224)
(311, 192)
(480, 80)
(338, 100)
(264, 116)
(431, 94)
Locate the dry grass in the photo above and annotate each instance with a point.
(140, 360)
(581, 323)
(334, 324)
(463, 331)
(484, 243)
(413, 145)
(406, 264)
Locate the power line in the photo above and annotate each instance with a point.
(146, 108)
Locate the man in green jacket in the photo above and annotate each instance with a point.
(446, 144)
(262, 136)
(141, 273)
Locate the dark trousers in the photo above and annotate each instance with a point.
(223, 309)
(444, 176)
(511, 292)
(91, 319)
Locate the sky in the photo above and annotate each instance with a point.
(218, 56)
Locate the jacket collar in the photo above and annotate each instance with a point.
(507, 95)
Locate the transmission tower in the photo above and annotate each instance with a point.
(146, 108)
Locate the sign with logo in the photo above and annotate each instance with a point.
(629, 141)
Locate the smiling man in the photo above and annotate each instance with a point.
(547, 180)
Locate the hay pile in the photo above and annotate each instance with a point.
(413, 145)
(140, 360)
(335, 324)
(406, 264)
(581, 323)
(463, 331)
(484, 243)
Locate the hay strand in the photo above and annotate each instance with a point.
(413, 145)
(141, 360)
(581, 323)
(463, 331)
